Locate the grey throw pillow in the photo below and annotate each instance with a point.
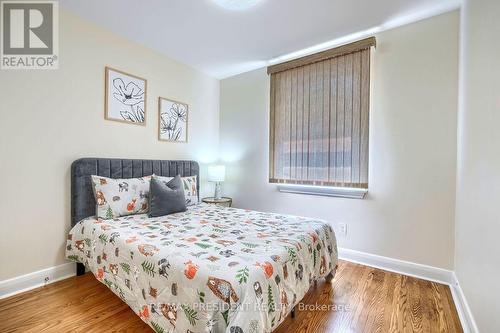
(166, 197)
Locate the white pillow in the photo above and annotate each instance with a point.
(189, 186)
(120, 197)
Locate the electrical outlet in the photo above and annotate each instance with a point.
(342, 227)
(46, 279)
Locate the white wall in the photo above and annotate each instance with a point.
(477, 254)
(409, 211)
(50, 118)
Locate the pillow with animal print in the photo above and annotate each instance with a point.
(120, 197)
(189, 186)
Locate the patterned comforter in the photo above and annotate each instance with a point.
(209, 269)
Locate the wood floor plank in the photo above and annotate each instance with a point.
(389, 284)
(370, 314)
(415, 305)
(348, 290)
(360, 299)
(398, 307)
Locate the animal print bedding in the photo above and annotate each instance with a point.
(209, 269)
(120, 197)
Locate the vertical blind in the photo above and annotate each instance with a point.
(319, 118)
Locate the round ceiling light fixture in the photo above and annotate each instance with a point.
(236, 4)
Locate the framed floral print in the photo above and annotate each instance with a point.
(172, 120)
(125, 97)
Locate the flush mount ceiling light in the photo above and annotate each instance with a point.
(236, 4)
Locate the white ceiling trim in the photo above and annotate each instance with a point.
(436, 10)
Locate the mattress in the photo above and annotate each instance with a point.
(209, 269)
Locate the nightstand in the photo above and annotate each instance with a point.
(224, 201)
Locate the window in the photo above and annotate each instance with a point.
(319, 118)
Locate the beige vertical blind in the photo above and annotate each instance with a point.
(319, 118)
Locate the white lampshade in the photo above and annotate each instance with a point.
(216, 173)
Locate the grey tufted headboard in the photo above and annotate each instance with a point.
(82, 197)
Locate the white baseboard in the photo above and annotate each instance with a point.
(36, 279)
(422, 272)
(398, 266)
(463, 309)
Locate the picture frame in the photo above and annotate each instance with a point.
(125, 97)
(173, 120)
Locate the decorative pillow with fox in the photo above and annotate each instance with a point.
(189, 186)
(120, 197)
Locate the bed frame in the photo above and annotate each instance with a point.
(82, 197)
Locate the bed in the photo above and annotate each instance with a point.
(209, 269)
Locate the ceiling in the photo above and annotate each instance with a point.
(222, 42)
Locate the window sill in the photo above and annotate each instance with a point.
(341, 192)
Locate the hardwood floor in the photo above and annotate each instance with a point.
(361, 299)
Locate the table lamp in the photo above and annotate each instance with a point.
(217, 174)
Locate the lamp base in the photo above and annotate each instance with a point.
(218, 192)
